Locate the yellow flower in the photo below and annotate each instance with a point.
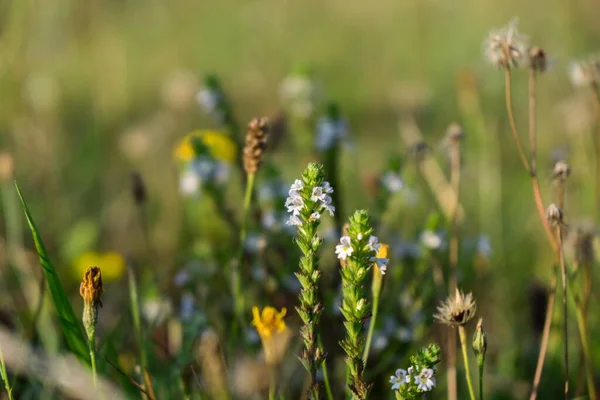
(221, 147)
(112, 264)
(269, 322)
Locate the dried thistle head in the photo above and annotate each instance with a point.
(506, 47)
(554, 215)
(91, 286)
(538, 60)
(457, 310)
(561, 171)
(256, 144)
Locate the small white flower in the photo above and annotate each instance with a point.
(382, 264)
(294, 221)
(294, 203)
(399, 379)
(329, 132)
(392, 182)
(426, 380)
(327, 188)
(208, 99)
(359, 236)
(344, 249)
(374, 244)
(329, 208)
(411, 370)
(431, 240)
(317, 194)
(297, 185)
(269, 220)
(314, 216)
(360, 304)
(189, 182)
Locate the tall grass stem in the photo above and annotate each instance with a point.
(463, 344)
(563, 271)
(4, 375)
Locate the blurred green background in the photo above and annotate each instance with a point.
(91, 90)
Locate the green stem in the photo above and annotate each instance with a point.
(326, 374)
(92, 343)
(480, 365)
(235, 275)
(585, 344)
(463, 344)
(372, 324)
(5, 376)
(272, 384)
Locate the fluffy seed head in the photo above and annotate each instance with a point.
(561, 171)
(256, 144)
(506, 47)
(457, 310)
(585, 72)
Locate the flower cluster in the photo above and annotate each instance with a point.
(420, 375)
(315, 199)
(345, 249)
(308, 198)
(206, 158)
(357, 252)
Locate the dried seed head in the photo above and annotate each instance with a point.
(454, 133)
(457, 310)
(554, 215)
(256, 144)
(585, 72)
(561, 171)
(506, 48)
(538, 60)
(138, 188)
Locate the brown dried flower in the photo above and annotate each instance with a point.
(256, 144)
(91, 286)
(457, 310)
(554, 215)
(538, 61)
(561, 171)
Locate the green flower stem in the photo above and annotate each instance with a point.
(272, 384)
(463, 344)
(480, 363)
(376, 290)
(4, 375)
(326, 375)
(238, 298)
(92, 344)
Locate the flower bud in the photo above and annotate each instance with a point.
(91, 289)
(480, 341)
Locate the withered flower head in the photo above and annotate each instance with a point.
(91, 286)
(506, 48)
(561, 171)
(538, 60)
(454, 133)
(256, 144)
(554, 215)
(457, 310)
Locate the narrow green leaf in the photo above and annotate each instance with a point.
(69, 323)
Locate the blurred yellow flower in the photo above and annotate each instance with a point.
(269, 322)
(111, 263)
(221, 147)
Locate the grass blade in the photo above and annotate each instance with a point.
(68, 322)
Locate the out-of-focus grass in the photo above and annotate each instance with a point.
(90, 90)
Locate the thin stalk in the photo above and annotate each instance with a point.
(563, 271)
(325, 373)
(532, 130)
(453, 259)
(545, 336)
(92, 344)
(463, 344)
(272, 384)
(532, 173)
(238, 299)
(376, 293)
(4, 375)
(480, 367)
(585, 344)
(596, 97)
